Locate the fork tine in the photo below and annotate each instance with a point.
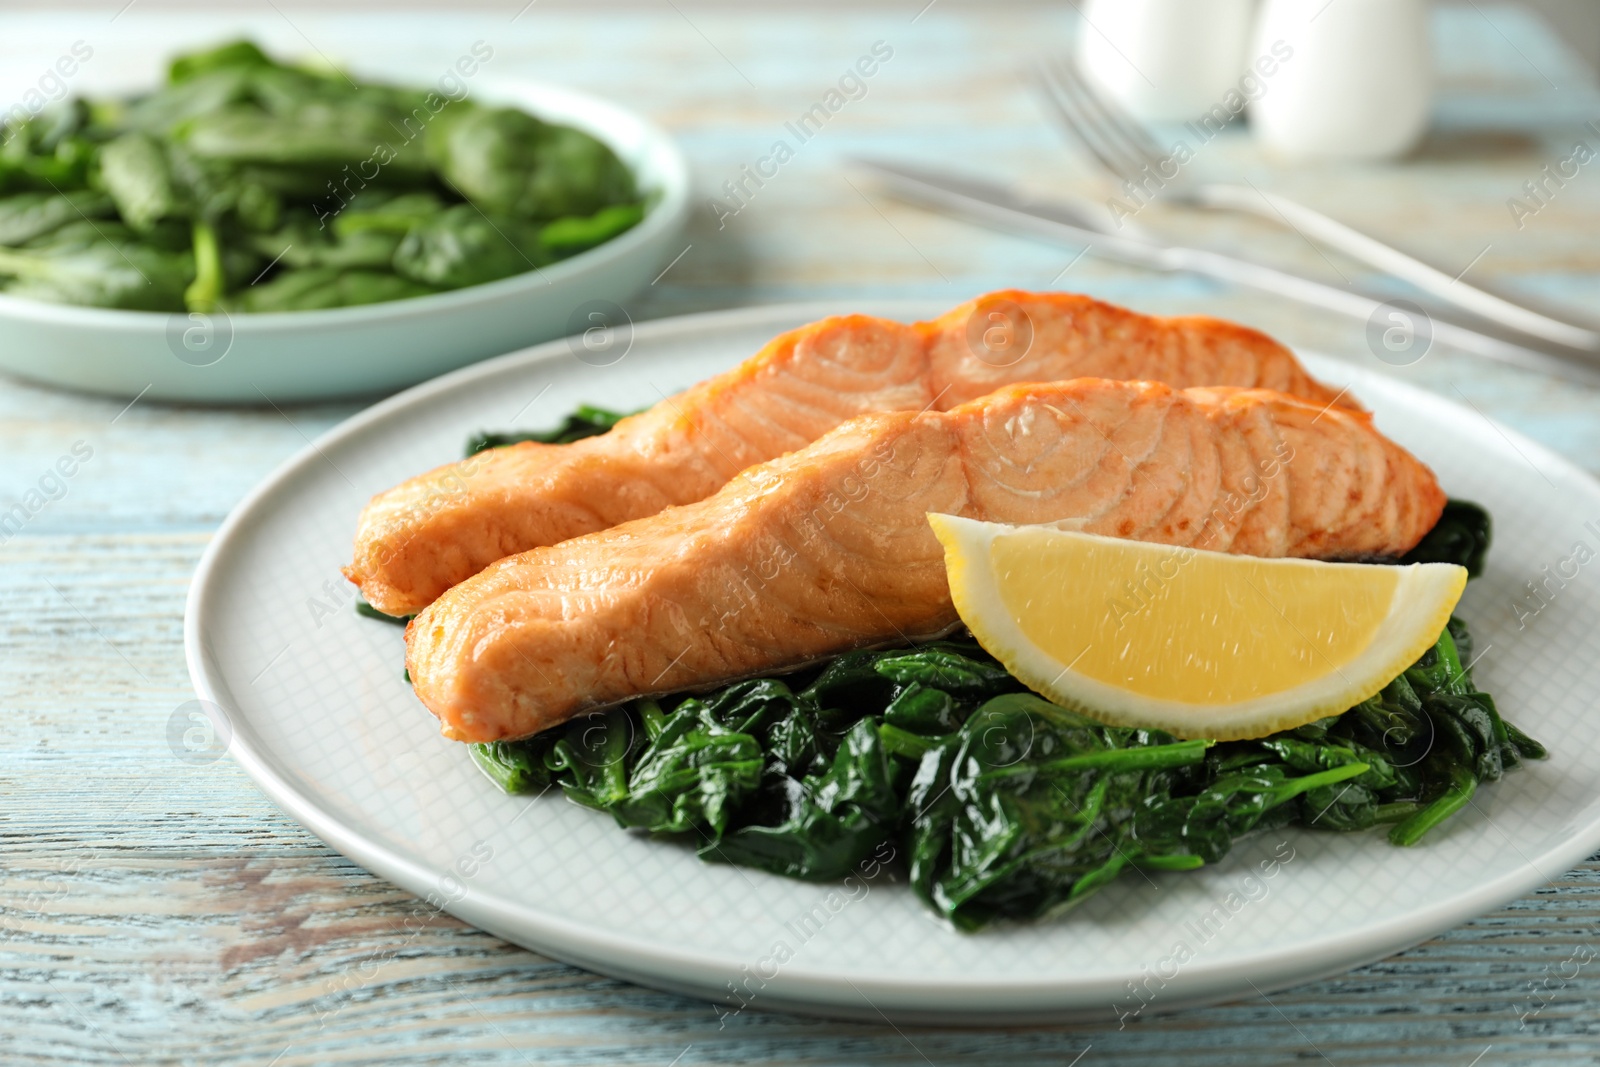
(1134, 143)
(1068, 113)
(1066, 119)
(1132, 132)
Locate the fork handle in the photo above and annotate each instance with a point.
(1316, 226)
(1002, 206)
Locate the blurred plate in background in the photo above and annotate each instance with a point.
(374, 348)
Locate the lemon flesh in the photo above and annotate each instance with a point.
(1200, 644)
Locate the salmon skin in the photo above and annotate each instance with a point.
(828, 548)
(417, 540)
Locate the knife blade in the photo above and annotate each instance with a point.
(1083, 224)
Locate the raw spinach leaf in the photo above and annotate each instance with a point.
(134, 170)
(102, 271)
(243, 173)
(510, 162)
(317, 133)
(374, 210)
(235, 55)
(463, 246)
(569, 236)
(25, 217)
(326, 287)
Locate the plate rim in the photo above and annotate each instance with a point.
(823, 990)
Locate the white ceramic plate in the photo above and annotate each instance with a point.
(301, 355)
(321, 718)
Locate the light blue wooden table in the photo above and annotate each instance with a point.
(152, 911)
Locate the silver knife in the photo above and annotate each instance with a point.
(1083, 225)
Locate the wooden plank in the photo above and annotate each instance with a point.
(156, 911)
(149, 891)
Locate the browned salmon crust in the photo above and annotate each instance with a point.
(829, 548)
(418, 539)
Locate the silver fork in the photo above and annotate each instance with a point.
(1127, 151)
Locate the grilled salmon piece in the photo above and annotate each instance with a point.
(417, 540)
(828, 548)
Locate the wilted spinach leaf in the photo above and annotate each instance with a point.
(1461, 536)
(1002, 805)
(1005, 805)
(586, 421)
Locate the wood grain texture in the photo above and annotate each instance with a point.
(158, 911)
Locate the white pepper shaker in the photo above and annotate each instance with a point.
(1358, 84)
(1165, 60)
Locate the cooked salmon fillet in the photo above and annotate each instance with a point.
(828, 548)
(417, 540)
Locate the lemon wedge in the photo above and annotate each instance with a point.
(1199, 644)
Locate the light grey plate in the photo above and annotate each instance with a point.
(320, 717)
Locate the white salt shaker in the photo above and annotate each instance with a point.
(1358, 84)
(1165, 60)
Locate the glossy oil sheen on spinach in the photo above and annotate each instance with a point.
(1004, 805)
(1007, 806)
(247, 184)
